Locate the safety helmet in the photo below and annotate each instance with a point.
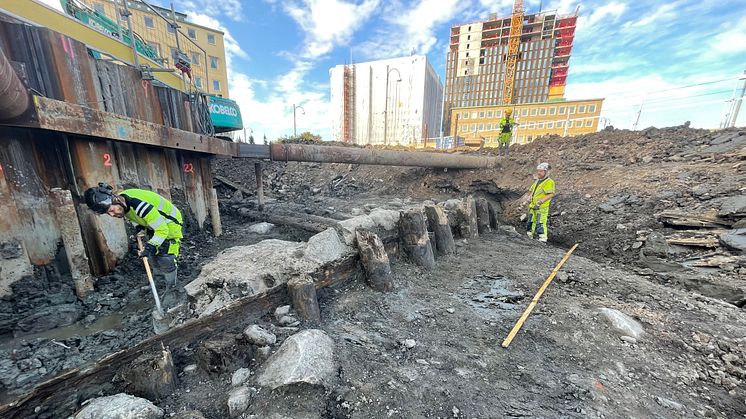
(508, 111)
(543, 166)
(99, 198)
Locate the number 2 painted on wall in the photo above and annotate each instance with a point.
(188, 168)
(107, 160)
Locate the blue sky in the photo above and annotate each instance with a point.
(280, 52)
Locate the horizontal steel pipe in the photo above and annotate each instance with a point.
(333, 154)
(15, 98)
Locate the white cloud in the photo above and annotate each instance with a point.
(230, 8)
(232, 48)
(731, 39)
(54, 4)
(664, 11)
(600, 67)
(328, 23)
(605, 14)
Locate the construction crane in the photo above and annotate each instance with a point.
(514, 42)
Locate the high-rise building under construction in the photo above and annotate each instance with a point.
(479, 53)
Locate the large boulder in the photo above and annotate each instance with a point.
(733, 206)
(325, 247)
(735, 239)
(380, 221)
(305, 357)
(119, 406)
(623, 324)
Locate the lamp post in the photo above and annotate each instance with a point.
(295, 134)
(386, 103)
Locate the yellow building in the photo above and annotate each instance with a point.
(565, 118)
(209, 72)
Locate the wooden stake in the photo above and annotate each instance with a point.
(533, 303)
(259, 185)
(415, 241)
(375, 260)
(72, 240)
(217, 227)
(438, 224)
(302, 291)
(483, 216)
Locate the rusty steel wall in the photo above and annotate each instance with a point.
(33, 161)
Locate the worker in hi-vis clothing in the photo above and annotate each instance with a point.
(506, 132)
(149, 211)
(542, 192)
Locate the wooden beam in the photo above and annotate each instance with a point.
(59, 116)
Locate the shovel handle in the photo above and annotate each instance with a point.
(145, 262)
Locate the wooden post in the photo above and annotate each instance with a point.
(471, 212)
(483, 216)
(302, 292)
(259, 185)
(375, 261)
(494, 222)
(438, 224)
(217, 227)
(72, 239)
(416, 243)
(151, 375)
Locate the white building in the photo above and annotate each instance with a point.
(396, 101)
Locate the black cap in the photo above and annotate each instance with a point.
(99, 198)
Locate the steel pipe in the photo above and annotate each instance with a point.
(335, 154)
(15, 97)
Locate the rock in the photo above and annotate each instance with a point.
(509, 230)
(735, 239)
(357, 211)
(622, 323)
(262, 353)
(237, 198)
(119, 406)
(8, 372)
(281, 312)
(240, 377)
(562, 276)
(450, 310)
(409, 343)
(238, 400)
(261, 228)
(733, 206)
(306, 357)
(325, 247)
(50, 318)
(607, 208)
(288, 321)
(259, 336)
(189, 414)
(656, 245)
(628, 339)
(191, 368)
(669, 404)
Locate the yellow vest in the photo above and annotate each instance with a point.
(540, 189)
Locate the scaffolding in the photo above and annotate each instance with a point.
(348, 119)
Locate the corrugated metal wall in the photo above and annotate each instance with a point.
(32, 161)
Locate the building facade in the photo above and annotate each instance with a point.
(209, 72)
(386, 102)
(566, 118)
(477, 55)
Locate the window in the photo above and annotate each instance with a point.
(561, 110)
(560, 124)
(552, 110)
(213, 62)
(481, 127)
(489, 127)
(211, 39)
(533, 111)
(581, 109)
(531, 125)
(481, 114)
(99, 8)
(473, 115)
(542, 111)
(550, 124)
(524, 112)
(473, 127)
(195, 58)
(156, 46)
(149, 22)
(170, 28)
(591, 108)
(468, 37)
(174, 53)
(198, 81)
(498, 114)
(569, 124)
(571, 110)
(465, 115)
(192, 33)
(216, 85)
(489, 114)
(588, 122)
(540, 125)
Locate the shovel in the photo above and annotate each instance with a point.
(160, 322)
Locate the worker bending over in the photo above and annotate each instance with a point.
(149, 211)
(542, 191)
(506, 132)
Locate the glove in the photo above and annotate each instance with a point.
(148, 251)
(536, 206)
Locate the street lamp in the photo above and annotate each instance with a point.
(295, 134)
(386, 103)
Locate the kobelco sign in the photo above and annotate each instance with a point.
(223, 110)
(225, 114)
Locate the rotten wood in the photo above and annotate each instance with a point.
(303, 295)
(483, 216)
(261, 202)
(72, 240)
(233, 185)
(375, 260)
(438, 224)
(314, 224)
(217, 226)
(494, 221)
(151, 375)
(709, 241)
(415, 240)
(693, 220)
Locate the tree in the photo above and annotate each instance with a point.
(305, 137)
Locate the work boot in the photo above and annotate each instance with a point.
(530, 234)
(543, 238)
(170, 279)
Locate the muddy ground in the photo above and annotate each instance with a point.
(566, 362)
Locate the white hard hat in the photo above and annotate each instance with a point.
(543, 166)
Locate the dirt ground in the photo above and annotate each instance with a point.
(566, 362)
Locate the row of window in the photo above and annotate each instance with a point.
(215, 83)
(529, 125)
(196, 57)
(551, 110)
